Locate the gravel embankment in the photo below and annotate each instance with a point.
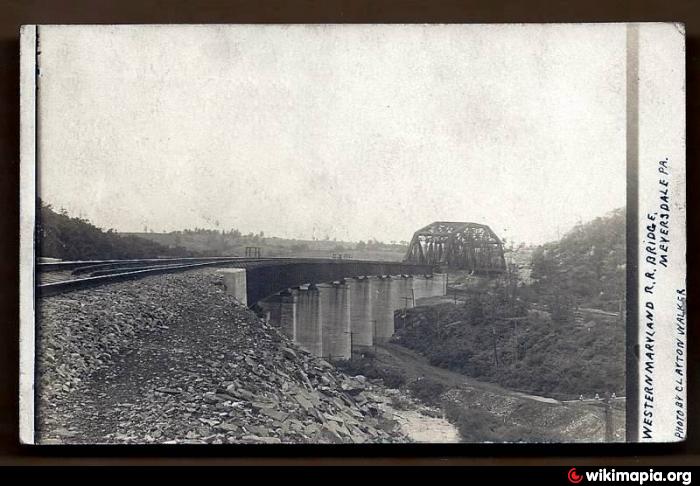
(172, 359)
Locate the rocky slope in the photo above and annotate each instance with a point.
(173, 359)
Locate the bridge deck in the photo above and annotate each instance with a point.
(264, 276)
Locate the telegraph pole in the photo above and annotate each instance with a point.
(437, 322)
(350, 333)
(374, 335)
(495, 349)
(608, 420)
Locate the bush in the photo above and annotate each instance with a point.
(477, 425)
(474, 425)
(393, 379)
(427, 390)
(369, 368)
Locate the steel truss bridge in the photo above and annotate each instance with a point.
(458, 245)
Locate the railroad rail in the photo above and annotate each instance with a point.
(76, 275)
(75, 264)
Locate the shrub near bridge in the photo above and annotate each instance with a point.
(427, 390)
(368, 367)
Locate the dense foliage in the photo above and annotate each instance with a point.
(586, 267)
(535, 354)
(61, 236)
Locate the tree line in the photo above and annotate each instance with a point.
(59, 235)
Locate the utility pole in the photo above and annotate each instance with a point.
(608, 421)
(405, 310)
(350, 333)
(515, 335)
(495, 349)
(437, 323)
(374, 335)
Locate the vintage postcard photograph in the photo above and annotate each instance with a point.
(353, 234)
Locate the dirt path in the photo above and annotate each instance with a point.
(528, 417)
(416, 366)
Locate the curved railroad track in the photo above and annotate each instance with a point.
(59, 277)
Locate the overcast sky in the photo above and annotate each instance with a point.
(350, 132)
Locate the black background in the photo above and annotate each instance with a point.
(15, 13)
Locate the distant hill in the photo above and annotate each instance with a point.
(61, 236)
(233, 242)
(588, 265)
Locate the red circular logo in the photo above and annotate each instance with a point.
(574, 477)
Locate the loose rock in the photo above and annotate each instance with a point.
(174, 359)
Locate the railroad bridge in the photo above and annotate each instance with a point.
(263, 277)
(458, 245)
(330, 307)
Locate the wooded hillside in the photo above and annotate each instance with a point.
(587, 266)
(61, 236)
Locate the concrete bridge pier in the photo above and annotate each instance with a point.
(421, 287)
(361, 327)
(429, 286)
(335, 321)
(309, 332)
(439, 288)
(382, 309)
(271, 308)
(234, 280)
(288, 313)
(402, 293)
(281, 311)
